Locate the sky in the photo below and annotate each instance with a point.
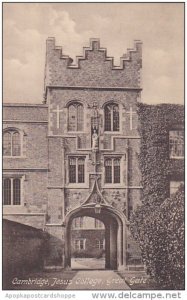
(160, 26)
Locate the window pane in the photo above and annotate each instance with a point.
(176, 143)
(116, 171)
(115, 118)
(7, 144)
(80, 120)
(7, 191)
(174, 185)
(16, 191)
(80, 170)
(81, 244)
(101, 245)
(72, 118)
(108, 118)
(97, 244)
(16, 146)
(77, 244)
(108, 171)
(72, 170)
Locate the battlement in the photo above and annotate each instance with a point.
(94, 69)
(95, 46)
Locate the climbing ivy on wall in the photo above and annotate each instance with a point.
(158, 224)
(159, 230)
(155, 165)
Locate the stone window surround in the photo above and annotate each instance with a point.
(111, 105)
(76, 169)
(122, 158)
(100, 243)
(122, 183)
(79, 244)
(76, 102)
(22, 179)
(101, 112)
(111, 164)
(85, 184)
(22, 134)
(175, 156)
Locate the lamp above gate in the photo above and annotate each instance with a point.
(97, 208)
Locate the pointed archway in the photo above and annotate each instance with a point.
(95, 206)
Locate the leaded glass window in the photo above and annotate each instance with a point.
(75, 117)
(72, 170)
(116, 170)
(176, 143)
(111, 113)
(7, 191)
(11, 143)
(12, 191)
(80, 244)
(81, 170)
(100, 244)
(16, 191)
(112, 170)
(76, 169)
(108, 171)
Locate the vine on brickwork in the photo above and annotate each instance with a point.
(155, 164)
(158, 224)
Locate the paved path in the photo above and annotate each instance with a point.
(97, 280)
(87, 264)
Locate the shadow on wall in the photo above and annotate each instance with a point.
(54, 252)
(24, 249)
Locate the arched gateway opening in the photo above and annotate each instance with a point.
(87, 244)
(115, 233)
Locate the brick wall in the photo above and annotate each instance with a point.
(47, 143)
(32, 165)
(91, 236)
(93, 69)
(62, 96)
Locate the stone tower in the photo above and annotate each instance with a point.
(93, 143)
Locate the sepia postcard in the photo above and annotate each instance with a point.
(93, 149)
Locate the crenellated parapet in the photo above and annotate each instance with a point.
(94, 69)
(132, 53)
